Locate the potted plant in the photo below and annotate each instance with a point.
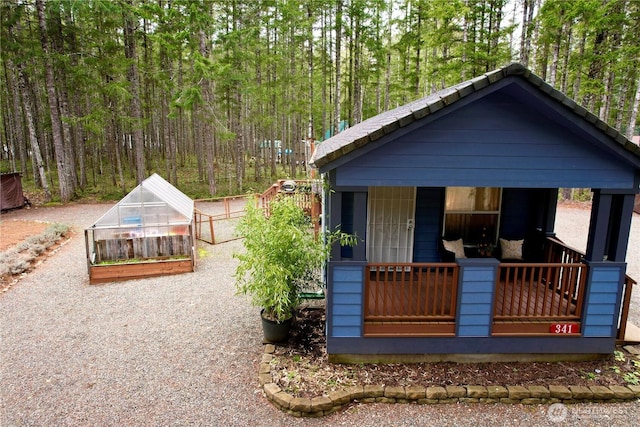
(281, 255)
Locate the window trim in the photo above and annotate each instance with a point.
(497, 213)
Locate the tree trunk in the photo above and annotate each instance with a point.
(336, 101)
(206, 135)
(634, 113)
(18, 131)
(64, 173)
(33, 138)
(134, 81)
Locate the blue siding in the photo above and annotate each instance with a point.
(471, 345)
(500, 141)
(345, 300)
(476, 294)
(429, 208)
(602, 303)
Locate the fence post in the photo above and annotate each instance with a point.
(213, 237)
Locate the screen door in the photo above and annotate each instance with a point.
(390, 224)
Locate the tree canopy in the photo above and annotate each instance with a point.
(236, 90)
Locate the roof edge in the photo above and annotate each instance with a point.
(387, 122)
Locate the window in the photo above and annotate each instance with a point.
(472, 213)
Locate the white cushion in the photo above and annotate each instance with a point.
(455, 246)
(511, 249)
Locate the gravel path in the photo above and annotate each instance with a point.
(184, 350)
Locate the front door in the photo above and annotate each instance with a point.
(390, 224)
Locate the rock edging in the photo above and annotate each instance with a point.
(529, 395)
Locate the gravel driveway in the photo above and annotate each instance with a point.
(184, 350)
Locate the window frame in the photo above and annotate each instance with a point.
(472, 212)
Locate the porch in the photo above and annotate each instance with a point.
(524, 299)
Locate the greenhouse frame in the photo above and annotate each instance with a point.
(148, 233)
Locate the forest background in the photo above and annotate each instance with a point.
(222, 97)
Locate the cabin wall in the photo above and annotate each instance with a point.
(345, 308)
(497, 141)
(476, 296)
(603, 299)
(522, 214)
(346, 299)
(428, 220)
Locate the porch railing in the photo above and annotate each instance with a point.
(557, 251)
(420, 299)
(624, 311)
(402, 298)
(540, 292)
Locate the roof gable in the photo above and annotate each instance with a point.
(154, 201)
(386, 126)
(499, 140)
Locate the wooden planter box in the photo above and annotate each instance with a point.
(127, 271)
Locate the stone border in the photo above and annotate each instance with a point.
(530, 395)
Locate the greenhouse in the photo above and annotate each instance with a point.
(147, 233)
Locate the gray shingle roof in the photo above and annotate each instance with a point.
(376, 127)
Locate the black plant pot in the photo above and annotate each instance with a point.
(275, 331)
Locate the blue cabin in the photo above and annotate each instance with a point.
(453, 198)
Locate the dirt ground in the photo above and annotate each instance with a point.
(15, 231)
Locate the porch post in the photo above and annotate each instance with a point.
(550, 210)
(335, 215)
(360, 225)
(620, 227)
(599, 226)
(610, 225)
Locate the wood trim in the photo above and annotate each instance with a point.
(530, 328)
(417, 329)
(119, 272)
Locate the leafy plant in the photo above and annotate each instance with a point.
(632, 378)
(281, 255)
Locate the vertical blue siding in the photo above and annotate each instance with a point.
(429, 208)
(475, 296)
(345, 299)
(602, 303)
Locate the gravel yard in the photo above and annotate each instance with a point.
(184, 350)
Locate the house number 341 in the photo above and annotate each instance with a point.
(564, 328)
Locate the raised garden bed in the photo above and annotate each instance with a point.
(110, 272)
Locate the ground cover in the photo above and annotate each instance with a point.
(23, 245)
(301, 368)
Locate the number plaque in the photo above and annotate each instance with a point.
(564, 328)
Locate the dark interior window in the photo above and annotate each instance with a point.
(472, 213)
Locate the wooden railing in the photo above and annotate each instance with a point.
(205, 222)
(536, 292)
(556, 251)
(402, 298)
(304, 197)
(624, 310)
